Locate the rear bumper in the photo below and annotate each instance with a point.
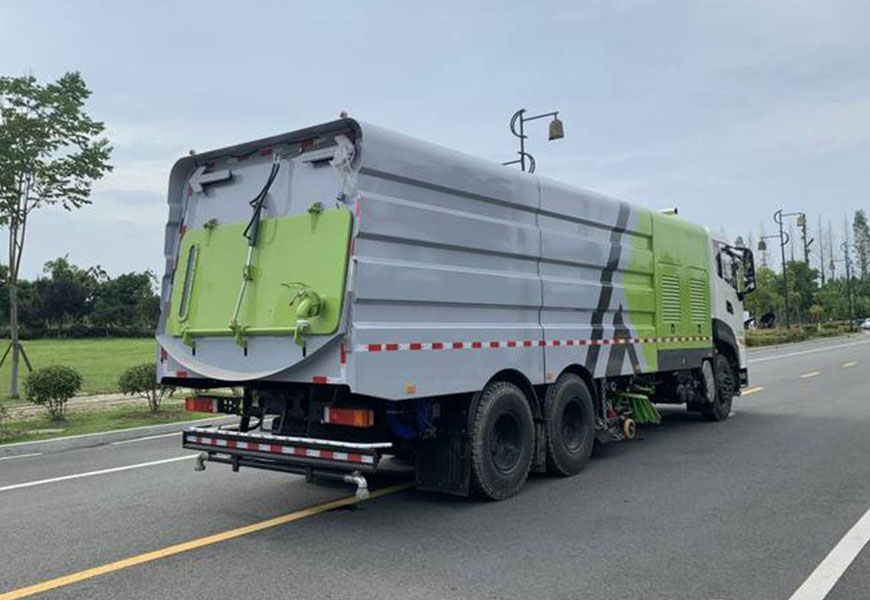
(306, 456)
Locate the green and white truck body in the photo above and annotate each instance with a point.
(348, 266)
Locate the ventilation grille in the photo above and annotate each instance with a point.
(698, 301)
(671, 305)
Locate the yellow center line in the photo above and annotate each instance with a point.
(811, 374)
(851, 363)
(752, 390)
(52, 584)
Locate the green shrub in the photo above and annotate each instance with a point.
(52, 387)
(141, 380)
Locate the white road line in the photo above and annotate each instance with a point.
(152, 463)
(148, 437)
(829, 571)
(752, 390)
(851, 363)
(811, 351)
(811, 374)
(32, 454)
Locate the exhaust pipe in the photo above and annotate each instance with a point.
(362, 486)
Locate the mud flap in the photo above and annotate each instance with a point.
(444, 462)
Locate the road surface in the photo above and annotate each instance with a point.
(767, 505)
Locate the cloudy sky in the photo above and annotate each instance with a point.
(727, 110)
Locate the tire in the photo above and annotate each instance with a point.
(502, 441)
(725, 387)
(570, 416)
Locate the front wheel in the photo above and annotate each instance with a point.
(725, 389)
(502, 441)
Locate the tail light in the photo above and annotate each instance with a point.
(350, 417)
(200, 404)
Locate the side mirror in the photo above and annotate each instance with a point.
(748, 263)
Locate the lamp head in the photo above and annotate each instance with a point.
(557, 130)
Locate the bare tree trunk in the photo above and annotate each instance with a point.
(13, 334)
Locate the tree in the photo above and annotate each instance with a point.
(127, 301)
(51, 152)
(861, 233)
(52, 387)
(141, 380)
(65, 294)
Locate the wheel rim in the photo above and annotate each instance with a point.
(573, 431)
(507, 444)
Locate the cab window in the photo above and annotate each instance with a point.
(727, 265)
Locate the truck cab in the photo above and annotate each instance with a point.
(734, 278)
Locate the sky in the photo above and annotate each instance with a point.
(727, 110)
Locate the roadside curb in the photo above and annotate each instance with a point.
(90, 440)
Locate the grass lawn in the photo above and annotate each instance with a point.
(92, 422)
(100, 361)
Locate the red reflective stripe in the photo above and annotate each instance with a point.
(556, 342)
(319, 379)
(231, 443)
(276, 448)
(299, 451)
(374, 347)
(527, 343)
(437, 345)
(354, 457)
(415, 346)
(181, 373)
(542, 343)
(476, 345)
(512, 343)
(266, 152)
(392, 347)
(494, 344)
(326, 454)
(457, 345)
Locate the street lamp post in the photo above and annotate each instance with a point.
(557, 132)
(784, 239)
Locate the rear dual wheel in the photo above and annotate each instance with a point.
(570, 425)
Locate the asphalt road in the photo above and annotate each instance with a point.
(694, 510)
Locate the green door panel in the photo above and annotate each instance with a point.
(300, 252)
(682, 281)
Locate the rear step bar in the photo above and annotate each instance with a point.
(312, 457)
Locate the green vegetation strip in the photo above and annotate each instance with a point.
(100, 361)
(78, 423)
(773, 337)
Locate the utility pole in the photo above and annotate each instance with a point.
(802, 223)
(821, 252)
(848, 261)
